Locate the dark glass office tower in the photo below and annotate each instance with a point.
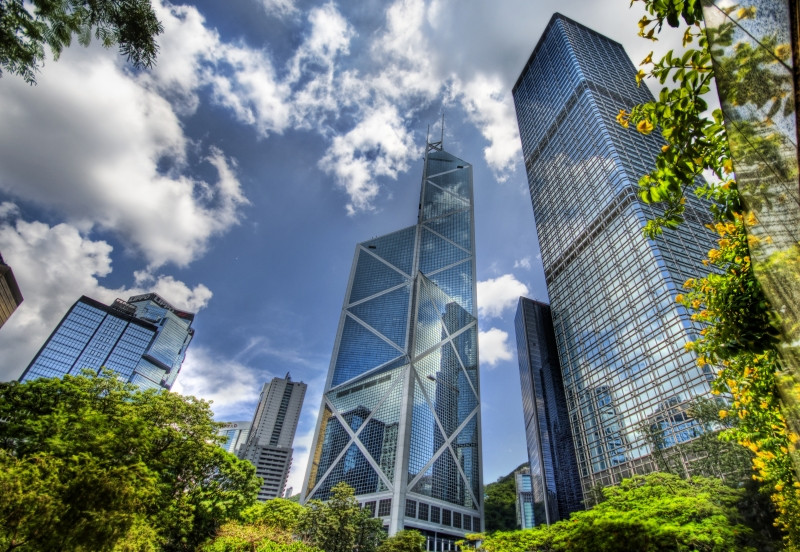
(400, 417)
(10, 295)
(620, 335)
(555, 483)
(143, 339)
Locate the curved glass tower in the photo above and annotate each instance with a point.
(400, 417)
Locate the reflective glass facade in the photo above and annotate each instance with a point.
(620, 335)
(10, 295)
(524, 488)
(400, 418)
(144, 340)
(553, 477)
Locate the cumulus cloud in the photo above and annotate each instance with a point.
(496, 295)
(232, 386)
(54, 266)
(493, 346)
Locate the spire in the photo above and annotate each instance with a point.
(434, 146)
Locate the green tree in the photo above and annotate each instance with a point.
(111, 465)
(339, 525)
(25, 30)
(406, 540)
(654, 513)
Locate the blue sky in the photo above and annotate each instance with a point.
(236, 178)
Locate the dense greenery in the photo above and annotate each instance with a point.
(26, 28)
(739, 337)
(500, 510)
(654, 513)
(90, 463)
(406, 540)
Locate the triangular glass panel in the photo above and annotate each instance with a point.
(360, 351)
(388, 416)
(371, 277)
(465, 447)
(441, 161)
(457, 182)
(446, 483)
(438, 373)
(397, 248)
(456, 227)
(466, 345)
(456, 283)
(425, 485)
(437, 202)
(426, 438)
(354, 469)
(429, 329)
(387, 313)
(455, 317)
(364, 392)
(333, 439)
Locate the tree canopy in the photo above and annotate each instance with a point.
(91, 463)
(654, 513)
(25, 30)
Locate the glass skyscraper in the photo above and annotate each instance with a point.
(620, 335)
(143, 340)
(553, 478)
(400, 417)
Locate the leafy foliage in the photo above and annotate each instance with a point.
(500, 511)
(132, 25)
(739, 335)
(653, 513)
(89, 463)
(406, 540)
(339, 525)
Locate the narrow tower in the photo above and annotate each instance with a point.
(400, 417)
(269, 442)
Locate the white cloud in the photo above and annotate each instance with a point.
(493, 346)
(496, 295)
(231, 385)
(108, 140)
(524, 262)
(279, 8)
(54, 266)
(379, 145)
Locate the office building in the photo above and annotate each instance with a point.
(269, 443)
(400, 416)
(10, 295)
(143, 340)
(524, 502)
(619, 333)
(553, 474)
(235, 434)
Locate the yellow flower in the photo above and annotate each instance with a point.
(664, 148)
(648, 59)
(713, 255)
(727, 166)
(643, 23)
(701, 361)
(783, 51)
(751, 219)
(793, 437)
(687, 36)
(746, 13)
(639, 76)
(723, 414)
(622, 118)
(645, 126)
(679, 298)
(688, 283)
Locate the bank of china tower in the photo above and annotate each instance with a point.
(400, 416)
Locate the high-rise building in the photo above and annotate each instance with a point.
(620, 335)
(235, 434)
(400, 416)
(524, 502)
(143, 339)
(553, 474)
(10, 295)
(269, 443)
